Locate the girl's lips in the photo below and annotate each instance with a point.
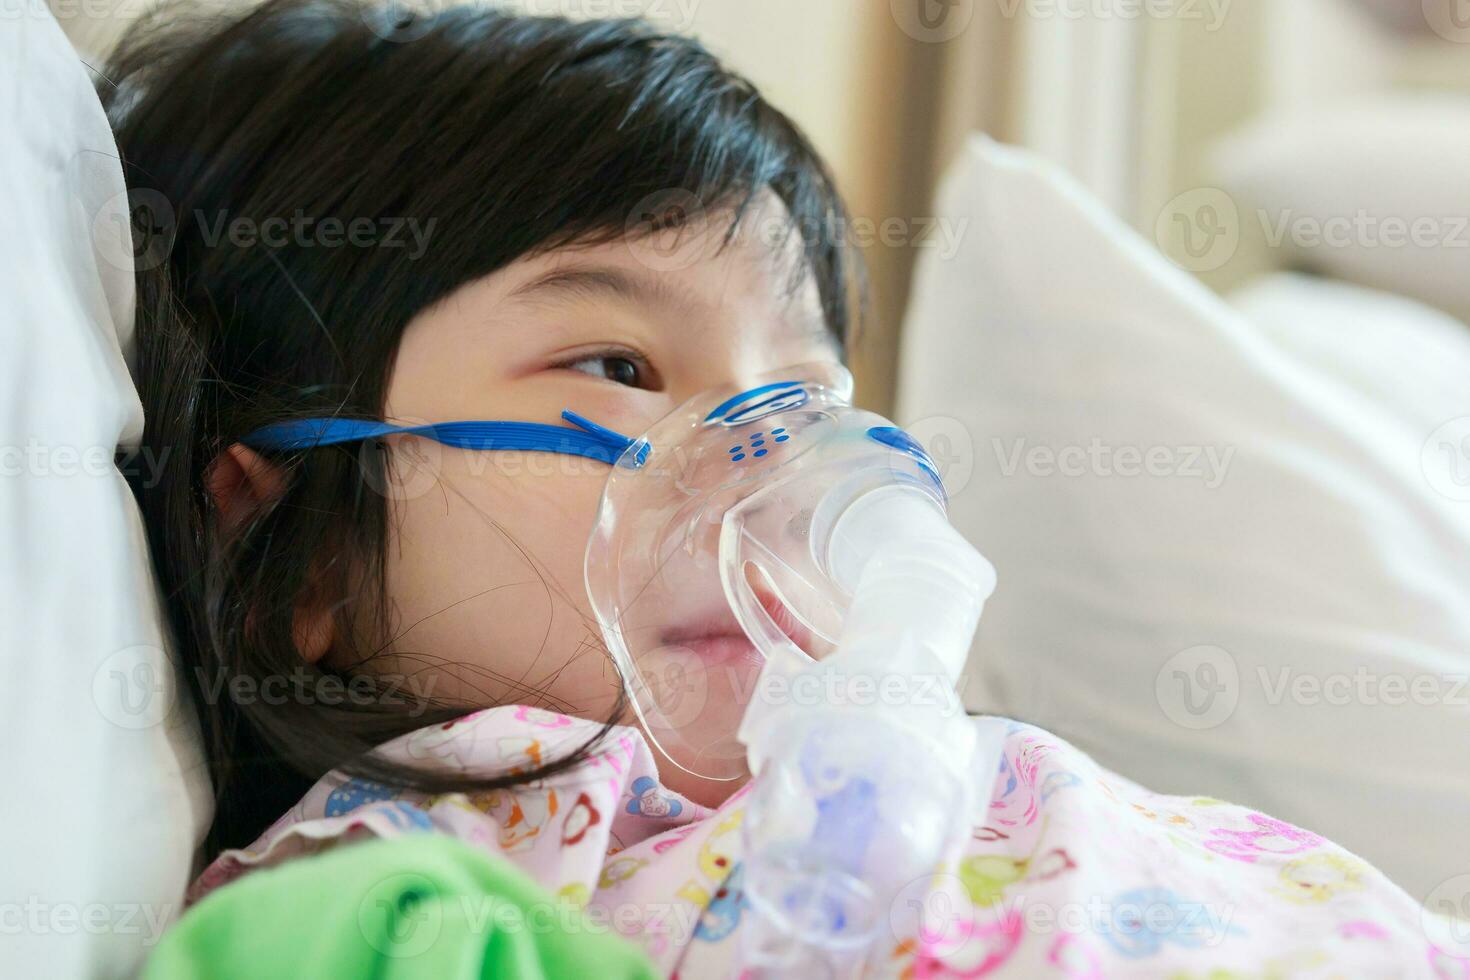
(720, 651)
(720, 639)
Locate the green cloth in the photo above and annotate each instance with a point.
(425, 905)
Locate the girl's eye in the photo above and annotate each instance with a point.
(618, 368)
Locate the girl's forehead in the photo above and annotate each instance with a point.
(710, 293)
(706, 270)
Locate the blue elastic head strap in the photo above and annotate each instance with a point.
(588, 438)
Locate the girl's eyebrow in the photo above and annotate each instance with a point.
(647, 289)
(609, 282)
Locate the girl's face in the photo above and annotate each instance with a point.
(484, 568)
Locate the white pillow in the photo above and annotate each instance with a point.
(1376, 193)
(1149, 614)
(106, 797)
(1407, 357)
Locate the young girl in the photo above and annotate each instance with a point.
(486, 216)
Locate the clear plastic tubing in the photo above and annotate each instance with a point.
(858, 800)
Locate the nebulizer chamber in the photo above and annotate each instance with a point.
(844, 605)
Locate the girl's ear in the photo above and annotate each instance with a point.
(242, 481)
(313, 628)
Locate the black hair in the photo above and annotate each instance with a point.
(513, 134)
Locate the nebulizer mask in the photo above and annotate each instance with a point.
(775, 577)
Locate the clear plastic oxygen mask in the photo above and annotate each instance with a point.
(776, 580)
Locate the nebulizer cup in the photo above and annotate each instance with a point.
(775, 578)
